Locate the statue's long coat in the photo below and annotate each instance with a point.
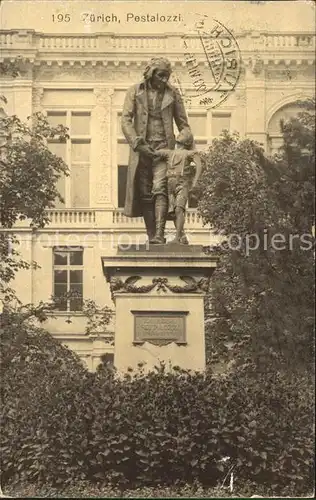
(134, 127)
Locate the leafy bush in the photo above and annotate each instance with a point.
(61, 424)
(164, 428)
(37, 374)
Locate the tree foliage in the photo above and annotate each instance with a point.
(263, 289)
(29, 172)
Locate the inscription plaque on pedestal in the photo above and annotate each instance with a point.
(160, 327)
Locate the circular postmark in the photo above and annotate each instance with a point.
(213, 44)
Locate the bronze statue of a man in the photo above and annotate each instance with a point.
(149, 110)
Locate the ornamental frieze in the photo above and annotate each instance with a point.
(190, 285)
(301, 72)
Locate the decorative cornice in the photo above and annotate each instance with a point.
(140, 61)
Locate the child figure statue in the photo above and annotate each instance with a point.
(182, 168)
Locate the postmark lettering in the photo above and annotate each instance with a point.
(220, 50)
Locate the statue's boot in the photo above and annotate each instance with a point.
(183, 240)
(161, 207)
(149, 219)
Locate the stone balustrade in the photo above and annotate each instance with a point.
(120, 220)
(7, 39)
(67, 42)
(126, 43)
(297, 41)
(73, 218)
(171, 43)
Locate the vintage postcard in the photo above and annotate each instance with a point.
(156, 215)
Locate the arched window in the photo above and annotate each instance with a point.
(286, 112)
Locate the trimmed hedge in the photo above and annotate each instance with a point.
(61, 424)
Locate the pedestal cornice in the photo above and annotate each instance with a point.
(126, 271)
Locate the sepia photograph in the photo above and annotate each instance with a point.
(157, 249)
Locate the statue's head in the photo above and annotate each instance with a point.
(158, 71)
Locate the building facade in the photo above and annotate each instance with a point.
(80, 81)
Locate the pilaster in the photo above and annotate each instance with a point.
(37, 96)
(256, 101)
(238, 118)
(22, 98)
(101, 148)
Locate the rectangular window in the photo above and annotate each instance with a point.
(220, 122)
(80, 123)
(80, 151)
(60, 149)
(68, 278)
(75, 189)
(80, 185)
(56, 118)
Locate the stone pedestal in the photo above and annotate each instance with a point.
(159, 296)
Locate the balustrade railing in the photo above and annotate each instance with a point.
(125, 43)
(76, 217)
(71, 216)
(119, 219)
(139, 43)
(68, 42)
(6, 39)
(297, 41)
